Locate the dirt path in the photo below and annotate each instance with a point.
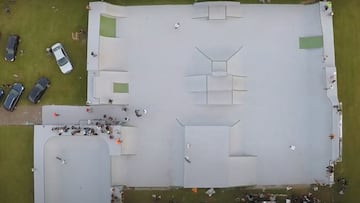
(23, 115)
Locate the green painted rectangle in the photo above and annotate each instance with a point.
(120, 87)
(312, 42)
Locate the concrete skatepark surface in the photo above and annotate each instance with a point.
(285, 104)
(285, 87)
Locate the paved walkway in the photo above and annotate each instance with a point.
(69, 115)
(331, 84)
(23, 115)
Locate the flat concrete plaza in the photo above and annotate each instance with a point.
(87, 156)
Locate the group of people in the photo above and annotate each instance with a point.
(343, 184)
(6, 86)
(7, 9)
(138, 113)
(60, 130)
(330, 169)
(328, 8)
(109, 120)
(156, 197)
(103, 125)
(74, 130)
(256, 197)
(309, 198)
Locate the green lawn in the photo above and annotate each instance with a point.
(347, 43)
(229, 195)
(16, 161)
(160, 2)
(41, 23)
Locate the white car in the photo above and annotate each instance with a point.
(62, 59)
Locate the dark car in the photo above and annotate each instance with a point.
(1, 93)
(38, 90)
(11, 47)
(13, 97)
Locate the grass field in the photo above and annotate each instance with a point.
(40, 23)
(160, 2)
(347, 42)
(230, 195)
(16, 161)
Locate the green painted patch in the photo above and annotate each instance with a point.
(107, 26)
(120, 87)
(312, 42)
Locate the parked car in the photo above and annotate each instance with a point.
(62, 59)
(11, 47)
(1, 93)
(13, 97)
(38, 90)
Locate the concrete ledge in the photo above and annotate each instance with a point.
(109, 9)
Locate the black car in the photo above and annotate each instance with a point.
(13, 97)
(11, 47)
(38, 90)
(1, 93)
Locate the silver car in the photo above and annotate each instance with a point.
(62, 59)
